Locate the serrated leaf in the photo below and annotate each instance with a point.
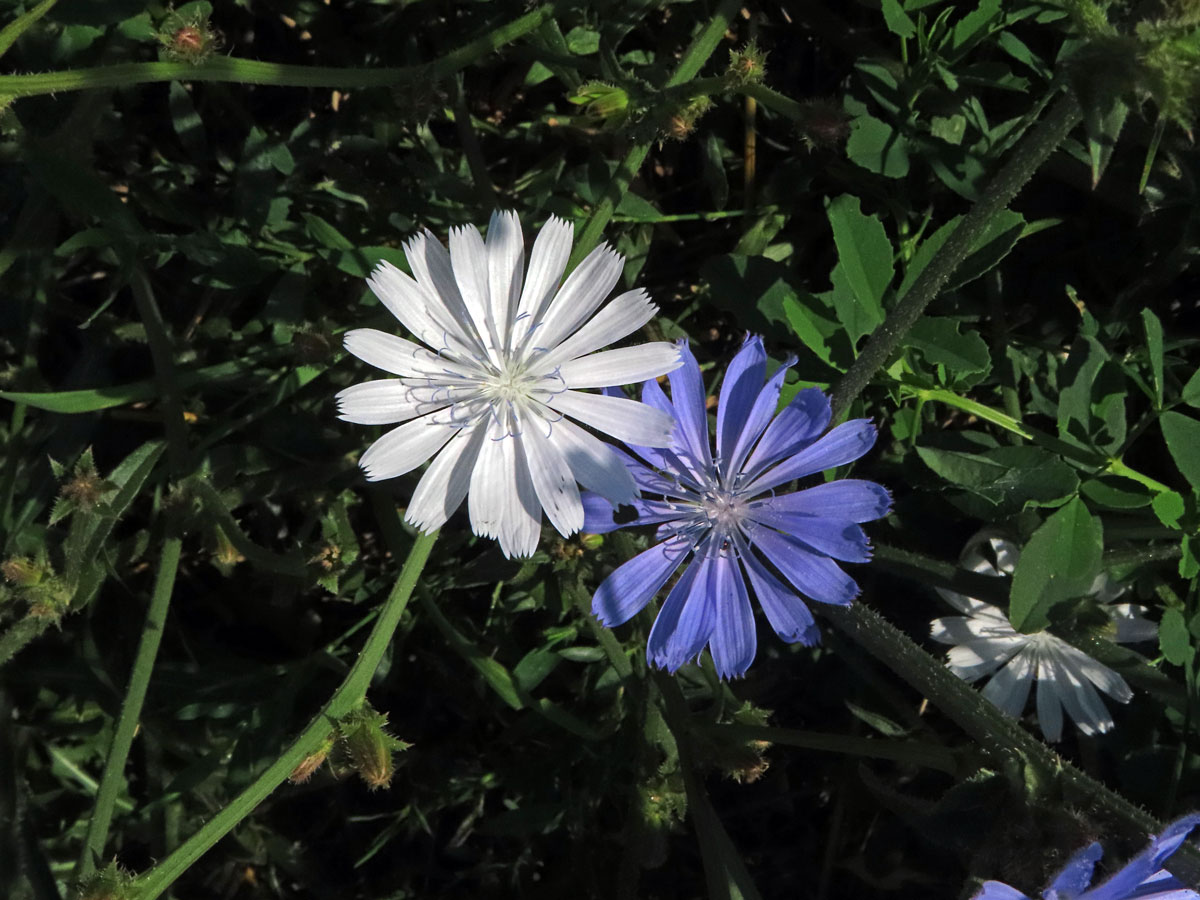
(864, 252)
(62, 508)
(1182, 434)
(941, 343)
(1002, 233)
(1060, 561)
(877, 147)
(1173, 638)
(1007, 480)
(813, 329)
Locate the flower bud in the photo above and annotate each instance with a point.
(312, 762)
(747, 66)
(110, 883)
(369, 747)
(23, 571)
(188, 38)
(605, 103)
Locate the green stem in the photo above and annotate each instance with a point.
(774, 100)
(351, 692)
(19, 634)
(693, 60)
(131, 709)
(1026, 158)
(163, 355)
(249, 71)
(997, 733)
(18, 26)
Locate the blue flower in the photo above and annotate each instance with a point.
(722, 510)
(1142, 878)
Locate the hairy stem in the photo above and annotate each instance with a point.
(1026, 158)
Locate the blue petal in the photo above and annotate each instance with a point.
(743, 382)
(734, 640)
(816, 577)
(598, 514)
(837, 538)
(688, 398)
(1146, 864)
(844, 444)
(760, 416)
(799, 424)
(995, 890)
(629, 588)
(686, 620)
(1162, 885)
(787, 613)
(847, 498)
(1076, 875)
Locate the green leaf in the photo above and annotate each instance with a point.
(864, 253)
(1154, 347)
(1189, 562)
(1116, 493)
(1173, 638)
(1075, 382)
(325, 234)
(1060, 562)
(1004, 480)
(1191, 390)
(1168, 506)
(963, 355)
(877, 147)
(1182, 434)
(813, 329)
(897, 19)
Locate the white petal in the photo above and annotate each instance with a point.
(430, 264)
(547, 262)
(975, 659)
(583, 291)
(404, 448)
(502, 502)
(1009, 688)
(386, 402)
(626, 420)
(961, 602)
(594, 463)
(446, 481)
(506, 259)
(624, 366)
(468, 258)
(420, 312)
(623, 316)
(553, 480)
(1096, 672)
(396, 355)
(1132, 625)
(1049, 698)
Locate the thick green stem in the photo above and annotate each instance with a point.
(998, 734)
(249, 71)
(1028, 156)
(131, 708)
(693, 60)
(351, 692)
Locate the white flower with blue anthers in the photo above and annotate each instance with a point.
(501, 377)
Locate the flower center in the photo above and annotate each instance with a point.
(509, 384)
(723, 508)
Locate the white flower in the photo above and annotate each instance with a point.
(498, 391)
(986, 643)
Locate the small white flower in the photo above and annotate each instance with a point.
(985, 643)
(495, 397)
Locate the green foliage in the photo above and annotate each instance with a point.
(183, 244)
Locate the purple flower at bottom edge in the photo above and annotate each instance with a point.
(721, 509)
(1142, 878)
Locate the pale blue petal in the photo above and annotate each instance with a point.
(686, 620)
(1146, 864)
(743, 381)
(688, 398)
(848, 498)
(787, 613)
(598, 514)
(814, 576)
(734, 641)
(995, 890)
(843, 444)
(759, 418)
(629, 588)
(837, 538)
(1076, 875)
(800, 423)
